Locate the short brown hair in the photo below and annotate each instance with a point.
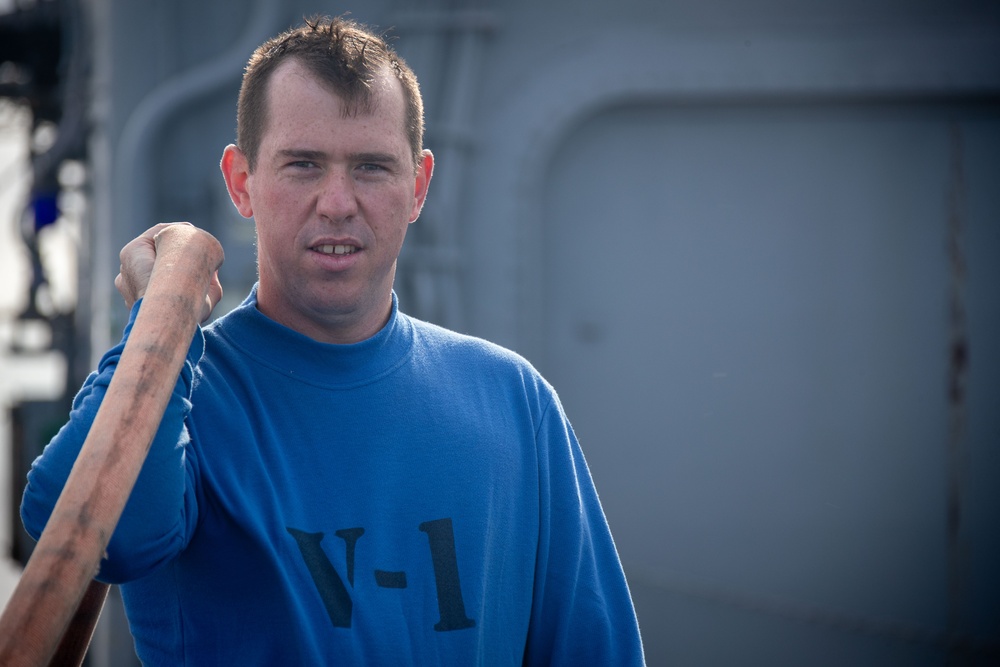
(345, 55)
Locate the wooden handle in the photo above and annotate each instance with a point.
(69, 551)
(73, 647)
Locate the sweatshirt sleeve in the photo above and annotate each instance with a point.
(582, 612)
(161, 511)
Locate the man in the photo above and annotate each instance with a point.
(333, 481)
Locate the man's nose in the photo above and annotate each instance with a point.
(338, 197)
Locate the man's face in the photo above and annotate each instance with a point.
(332, 197)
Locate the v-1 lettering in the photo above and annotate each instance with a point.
(337, 599)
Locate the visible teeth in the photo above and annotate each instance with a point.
(336, 249)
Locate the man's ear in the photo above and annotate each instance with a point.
(236, 171)
(423, 180)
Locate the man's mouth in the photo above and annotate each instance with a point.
(336, 249)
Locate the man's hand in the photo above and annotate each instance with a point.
(140, 254)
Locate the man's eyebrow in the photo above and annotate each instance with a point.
(302, 154)
(314, 155)
(378, 158)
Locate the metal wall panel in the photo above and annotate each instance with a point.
(746, 308)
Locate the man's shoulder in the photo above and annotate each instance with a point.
(433, 339)
(462, 360)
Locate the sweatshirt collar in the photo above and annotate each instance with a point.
(295, 355)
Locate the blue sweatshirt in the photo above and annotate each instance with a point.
(417, 498)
